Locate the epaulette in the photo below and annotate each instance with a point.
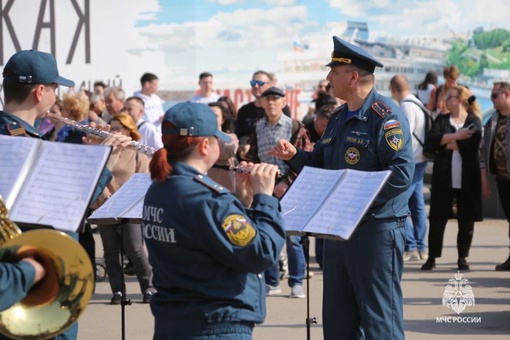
(16, 129)
(381, 109)
(208, 182)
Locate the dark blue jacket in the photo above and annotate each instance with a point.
(207, 252)
(377, 138)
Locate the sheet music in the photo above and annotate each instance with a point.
(58, 190)
(341, 213)
(124, 199)
(136, 212)
(306, 195)
(16, 156)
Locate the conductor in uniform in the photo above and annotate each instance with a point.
(362, 297)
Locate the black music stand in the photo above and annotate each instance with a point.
(124, 301)
(305, 241)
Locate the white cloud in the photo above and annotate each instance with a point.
(280, 2)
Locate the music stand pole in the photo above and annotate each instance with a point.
(305, 241)
(124, 301)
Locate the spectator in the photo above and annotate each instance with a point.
(250, 113)
(126, 235)
(495, 152)
(426, 87)
(153, 104)
(114, 99)
(134, 106)
(416, 224)
(437, 99)
(456, 174)
(268, 131)
(99, 87)
(97, 111)
(206, 94)
(221, 170)
(231, 106)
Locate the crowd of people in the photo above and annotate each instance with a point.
(204, 276)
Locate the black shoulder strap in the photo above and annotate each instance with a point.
(425, 112)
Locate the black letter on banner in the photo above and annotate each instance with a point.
(41, 24)
(84, 19)
(4, 16)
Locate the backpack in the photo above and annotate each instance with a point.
(428, 152)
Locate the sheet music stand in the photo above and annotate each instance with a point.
(305, 241)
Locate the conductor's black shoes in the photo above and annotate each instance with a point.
(505, 266)
(430, 264)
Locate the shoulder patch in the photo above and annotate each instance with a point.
(16, 129)
(208, 182)
(390, 124)
(381, 109)
(239, 231)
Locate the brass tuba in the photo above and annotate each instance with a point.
(56, 302)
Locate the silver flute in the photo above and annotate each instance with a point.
(134, 145)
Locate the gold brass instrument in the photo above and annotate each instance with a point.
(145, 149)
(55, 302)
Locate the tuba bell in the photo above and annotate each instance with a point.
(56, 302)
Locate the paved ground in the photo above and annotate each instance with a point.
(423, 292)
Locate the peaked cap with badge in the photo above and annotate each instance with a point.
(345, 53)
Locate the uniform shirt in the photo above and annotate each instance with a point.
(368, 141)
(207, 251)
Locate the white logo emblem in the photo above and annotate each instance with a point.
(458, 294)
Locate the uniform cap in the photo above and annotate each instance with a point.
(345, 53)
(193, 120)
(33, 67)
(273, 91)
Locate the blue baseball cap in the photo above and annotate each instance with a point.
(193, 120)
(347, 53)
(33, 67)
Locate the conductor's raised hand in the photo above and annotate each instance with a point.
(283, 149)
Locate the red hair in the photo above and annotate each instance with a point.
(175, 148)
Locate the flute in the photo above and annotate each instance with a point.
(134, 145)
(240, 169)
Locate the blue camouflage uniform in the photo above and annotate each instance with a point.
(207, 252)
(362, 297)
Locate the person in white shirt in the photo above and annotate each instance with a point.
(134, 106)
(416, 224)
(206, 94)
(153, 106)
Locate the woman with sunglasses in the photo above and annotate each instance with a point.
(129, 162)
(456, 174)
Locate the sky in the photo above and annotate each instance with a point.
(235, 37)
(179, 39)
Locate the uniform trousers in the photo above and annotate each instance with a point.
(133, 246)
(362, 296)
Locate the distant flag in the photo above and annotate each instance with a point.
(297, 45)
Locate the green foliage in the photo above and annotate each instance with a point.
(491, 39)
(491, 50)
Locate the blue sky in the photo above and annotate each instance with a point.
(233, 38)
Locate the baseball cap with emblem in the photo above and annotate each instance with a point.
(345, 53)
(33, 67)
(193, 120)
(273, 91)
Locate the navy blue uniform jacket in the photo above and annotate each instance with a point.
(208, 251)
